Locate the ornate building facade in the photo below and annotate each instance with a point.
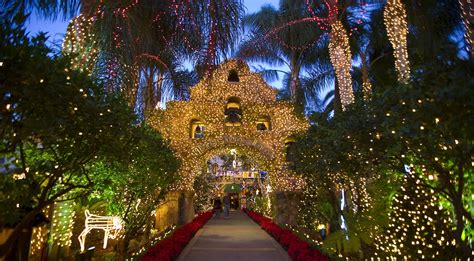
(232, 109)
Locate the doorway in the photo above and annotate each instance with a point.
(234, 201)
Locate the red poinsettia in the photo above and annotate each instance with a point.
(298, 249)
(170, 248)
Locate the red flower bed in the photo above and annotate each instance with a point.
(170, 248)
(298, 249)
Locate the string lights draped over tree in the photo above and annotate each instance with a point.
(339, 51)
(79, 42)
(467, 13)
(417, 211)
(366, 84)
(340, 54)
(395, 22)
(128, 45)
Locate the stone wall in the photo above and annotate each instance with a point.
(177, 209)
(285, 207)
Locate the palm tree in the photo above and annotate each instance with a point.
(277, 40)
(468, 21)
(54, 9)
(142, 46)
(147, 44)
(296, 36)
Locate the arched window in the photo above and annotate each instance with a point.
(233, 76)
(197, 129)
(233, 112)
(290, 149)
(263, 123)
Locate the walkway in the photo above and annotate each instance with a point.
(236, 238)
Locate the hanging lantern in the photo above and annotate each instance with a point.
(395, 22)
(340, 54)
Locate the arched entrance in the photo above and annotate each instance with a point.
(232, 108)
(241, 172)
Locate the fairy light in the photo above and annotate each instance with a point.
(415, 222)
(396, 25)
(340, 55)
(208, 101)
(80, 42)
(467, 13)
(63, 221)
(39, 236)
(366, 84)
(123, 73)
(108, 224)
(154, 241)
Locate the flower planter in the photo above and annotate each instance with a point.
(298, 250)
(170, 248)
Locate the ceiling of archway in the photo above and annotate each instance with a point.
(207, 106)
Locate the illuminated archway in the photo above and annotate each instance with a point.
(249, 98)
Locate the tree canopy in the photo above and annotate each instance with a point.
(57, 128)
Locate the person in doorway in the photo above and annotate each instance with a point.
(217, 207)
(226, 205)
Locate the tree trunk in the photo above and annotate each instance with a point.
(366, 85)
(337, 97)
(297, 96)
(148, 97)
(294, 82)
(211, 45)
(458, 211)
(158, 89)
(334, 224)
(15, 241)
(468, 22)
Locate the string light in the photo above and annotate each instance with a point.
(416, 220)
(467, 13)
(39, 236)
(80, 42)
(208, 101)
(63, 221)
(366, 84)
(105, 223)
(340, 54)
(167, 231)
(395, 22)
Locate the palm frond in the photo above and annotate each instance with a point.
(50, 9)
(269, 75)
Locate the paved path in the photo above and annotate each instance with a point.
(236, 238)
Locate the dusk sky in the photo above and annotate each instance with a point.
(57, 29)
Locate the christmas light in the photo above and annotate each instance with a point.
(39, 236)
(106, 223)
(63, 221)
(415, 221)
(467, 13)
(396, 25)
(81, 43)
(208, 103)
(340, 54)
